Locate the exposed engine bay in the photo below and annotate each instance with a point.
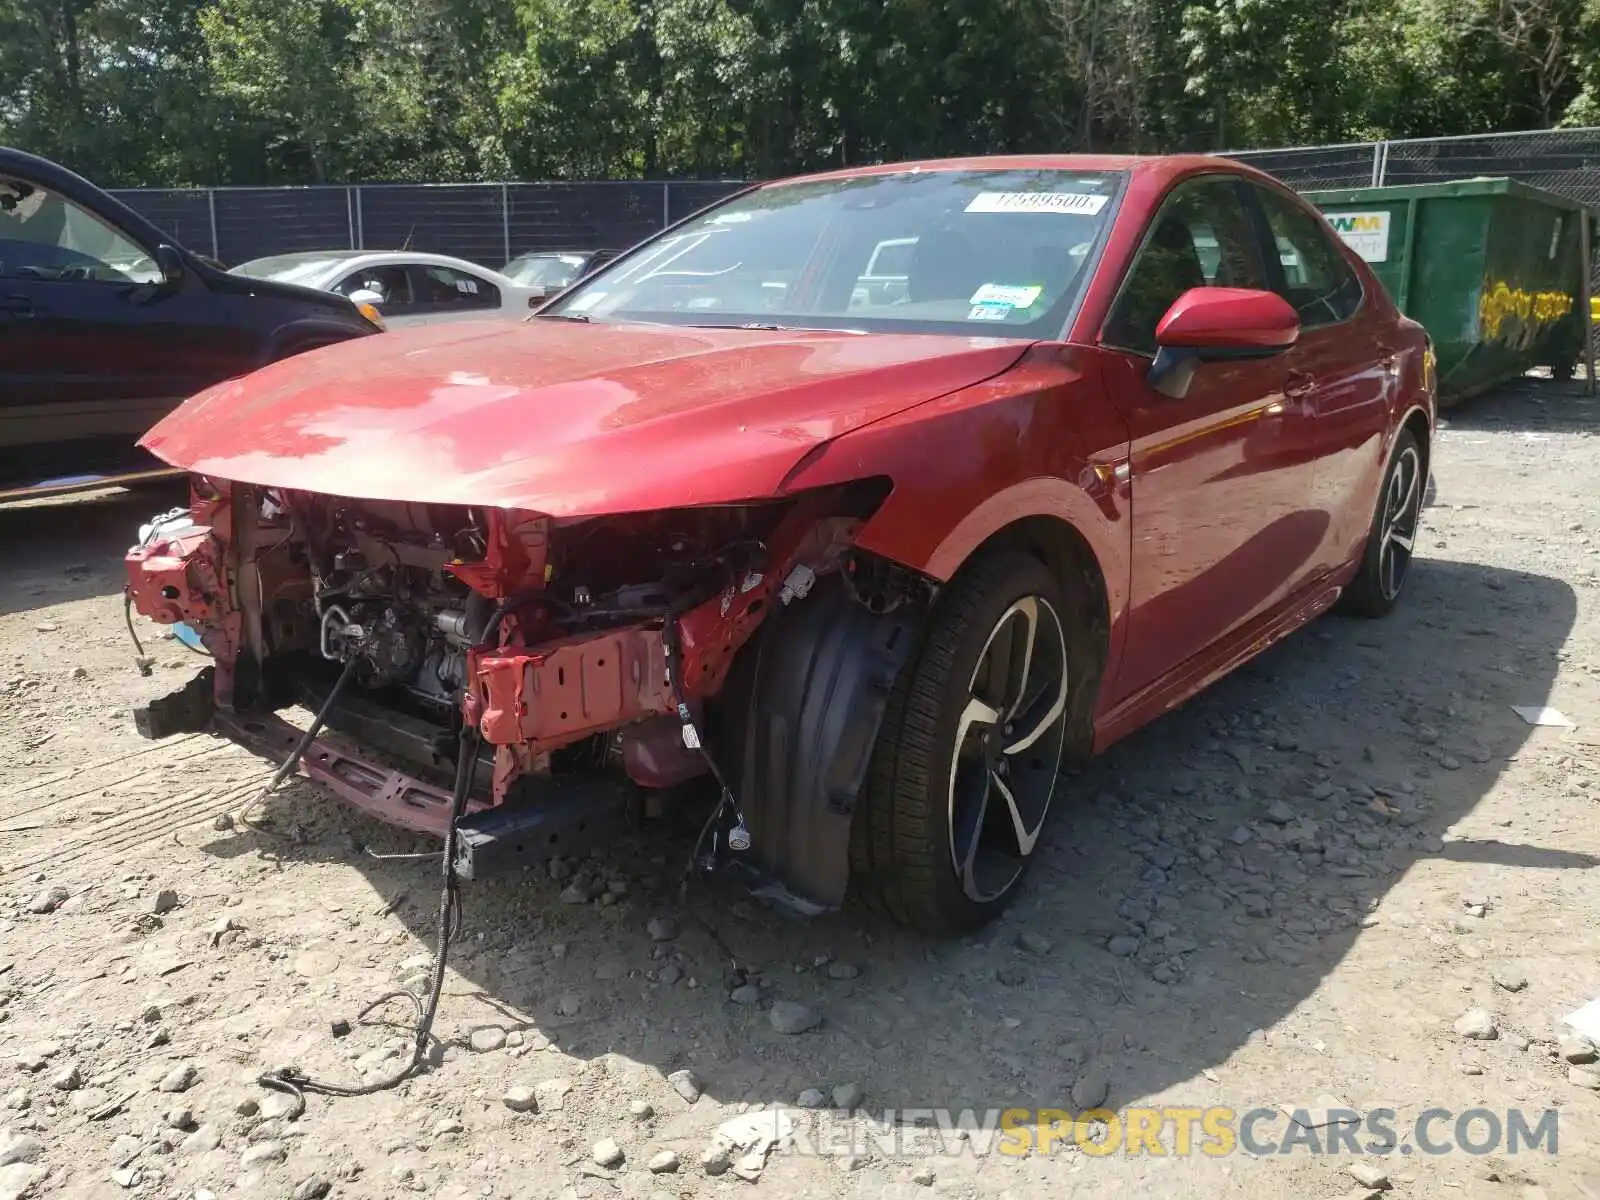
(593, 643)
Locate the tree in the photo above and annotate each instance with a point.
(260, 91)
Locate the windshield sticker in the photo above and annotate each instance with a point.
(586, 301)
(1037, 202)
(989, 312)
(1011, 296)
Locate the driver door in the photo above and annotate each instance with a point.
(1221, 531)
(93, 350)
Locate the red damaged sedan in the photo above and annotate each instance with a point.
(861, 500)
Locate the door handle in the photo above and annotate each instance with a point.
(1299, 385)
(17, 306)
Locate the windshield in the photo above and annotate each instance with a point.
(984, 251)
(551, 270)
(308, 271)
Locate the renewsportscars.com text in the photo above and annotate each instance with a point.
(1213, 1132)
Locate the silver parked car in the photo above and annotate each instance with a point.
(406, 287)
(552, 271)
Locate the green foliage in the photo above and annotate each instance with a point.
(177, 92)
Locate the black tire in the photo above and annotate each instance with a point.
(1386, 562)
(904, 854)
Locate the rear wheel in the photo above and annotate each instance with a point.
(968, 757)
(1386, 563)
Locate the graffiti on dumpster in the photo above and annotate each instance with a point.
(1531, 311)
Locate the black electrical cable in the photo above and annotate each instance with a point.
(142, 660)
(127, 615)
(296, 1083)
(671, 640)
(290, 764)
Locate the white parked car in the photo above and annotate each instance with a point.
(405, 287)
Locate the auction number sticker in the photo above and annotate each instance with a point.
(1037, 202)
(1011, 296)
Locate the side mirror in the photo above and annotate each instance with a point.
(1218, 325)
(366, 296)
(170, 262)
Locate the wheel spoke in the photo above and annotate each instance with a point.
(977, 712)
(1026, 610)
(1409, 467)
(1037, 729)
(1403, 540)
(1026, 827)
(967, 813)
(966, 830)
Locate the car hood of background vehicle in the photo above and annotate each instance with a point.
(250, 285)
(562, 418)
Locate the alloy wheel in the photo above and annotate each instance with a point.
(1402, 514)
(1008, 744)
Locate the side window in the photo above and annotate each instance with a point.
(1317, 280)
(43, 235)
(1201, 237)
(391, 283)
(443, 288)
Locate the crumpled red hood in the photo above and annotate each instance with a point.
(558, 418)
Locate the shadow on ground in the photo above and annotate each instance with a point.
(1532, 404)
(1374, 738)
(58, 551)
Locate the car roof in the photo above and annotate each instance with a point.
(1158, 164)
(301, 256)
(374, 258)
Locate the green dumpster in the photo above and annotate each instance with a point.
(1492, 268)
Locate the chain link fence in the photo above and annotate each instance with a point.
(1564, 161)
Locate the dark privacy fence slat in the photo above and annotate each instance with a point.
(486, 223)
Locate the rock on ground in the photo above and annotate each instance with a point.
(791, 1017)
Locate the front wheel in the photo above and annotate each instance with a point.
(1386, 562)
(968, 757)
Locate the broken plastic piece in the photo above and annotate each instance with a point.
(1586, 1020)
(1535, 714)
(798, 584)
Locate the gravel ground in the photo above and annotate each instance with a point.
(1294, 891)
